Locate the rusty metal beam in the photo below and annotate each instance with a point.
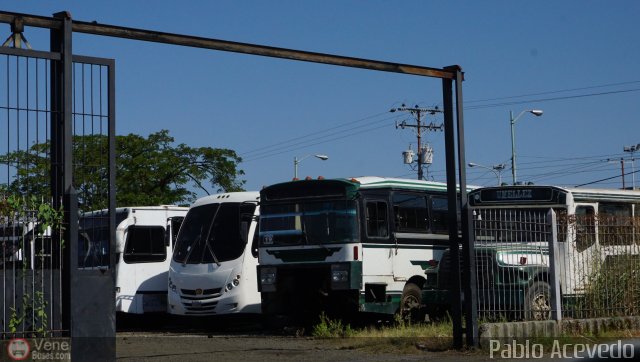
(228, 46)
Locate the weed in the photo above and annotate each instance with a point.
(331, 328)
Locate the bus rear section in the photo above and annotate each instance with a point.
(213, 270)
(144, 243)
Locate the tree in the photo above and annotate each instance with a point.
(149, 171)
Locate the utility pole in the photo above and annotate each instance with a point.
(622, 166)
(417, 113)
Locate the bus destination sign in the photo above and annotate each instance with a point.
(512, 194)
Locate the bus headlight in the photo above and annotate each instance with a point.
(234, 283)
(339, 276)
(268, 278)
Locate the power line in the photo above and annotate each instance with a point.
(276, 148)
(315, 133)
(551, 99)
(554, 92)
(608, 178)
(282, 146)
(315, 143)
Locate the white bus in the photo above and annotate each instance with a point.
(348, 245)
(213, 270)
(144, 242)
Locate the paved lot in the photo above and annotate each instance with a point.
(163, 339)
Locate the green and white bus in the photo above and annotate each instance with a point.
(595, 237)
(348, 245)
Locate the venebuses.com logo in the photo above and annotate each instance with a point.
(18, 349)
(39, 349)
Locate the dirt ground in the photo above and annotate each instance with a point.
(161, 339)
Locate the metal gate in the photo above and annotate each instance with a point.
(57, 131)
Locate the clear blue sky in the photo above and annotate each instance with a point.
(576, 60)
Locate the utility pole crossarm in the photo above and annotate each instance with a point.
(417, 112)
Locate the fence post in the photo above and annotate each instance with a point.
(554, 268)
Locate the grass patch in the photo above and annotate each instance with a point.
(331, 328)
(400, 337)
(410, 338)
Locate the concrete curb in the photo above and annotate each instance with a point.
(550, 329)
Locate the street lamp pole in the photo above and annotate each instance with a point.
(297, 161)
(496, 169)
(535, 112)
(632, 149)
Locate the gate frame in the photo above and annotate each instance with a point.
(84, 292)
(61, 23)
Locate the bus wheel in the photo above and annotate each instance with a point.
(538, 302)
(411, 303)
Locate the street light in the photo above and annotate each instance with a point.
(632, 149)
(535, 112)
(496, 169)
(297, 161)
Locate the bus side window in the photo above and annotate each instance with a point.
(145, 244)
(411, 214)
(585, 227)
(439, 215)
(377, 219)
(615, 225)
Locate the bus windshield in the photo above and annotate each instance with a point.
(93, 238)
(512, 225)
(309, 222)
(211, 234)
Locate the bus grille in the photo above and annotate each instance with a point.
(200, 303)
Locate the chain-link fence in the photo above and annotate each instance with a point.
(536, 264)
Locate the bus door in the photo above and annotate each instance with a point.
(171, 232)
(411, 234)
(146, 262)
(378, 247)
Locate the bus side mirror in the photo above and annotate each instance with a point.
(244, 231)
(167, 236)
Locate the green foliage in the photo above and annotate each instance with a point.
(613, 288)
(33, 315)
(149, 171)
(21, 212)
(331, 328)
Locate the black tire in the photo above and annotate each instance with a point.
(411, 308)
(537, 304)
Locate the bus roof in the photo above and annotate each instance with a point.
(243, 196)
(547, 194)
(392, 182)
(344, 187)
(137, 208)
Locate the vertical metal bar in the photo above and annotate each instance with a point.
(62, 158)
(468, 251)
(4, 269)
(454, 244)
(111, 124)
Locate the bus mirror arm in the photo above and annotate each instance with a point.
(244, 232)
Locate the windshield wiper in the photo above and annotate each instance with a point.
(191, 247)
(215, 259)
(206, 240)
(306, 239)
